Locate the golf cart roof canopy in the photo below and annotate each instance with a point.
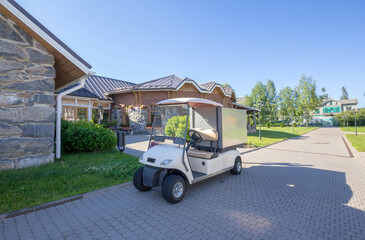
(192, 102)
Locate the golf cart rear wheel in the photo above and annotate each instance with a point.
(138, 181)
(173, 188)
(237, 166)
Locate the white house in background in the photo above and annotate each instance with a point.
(331, 107)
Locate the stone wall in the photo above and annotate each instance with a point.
(27, 99)
(138, 119)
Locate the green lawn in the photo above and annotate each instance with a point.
(73, 174)
(275, 134)
(352, 129)
(358, 142)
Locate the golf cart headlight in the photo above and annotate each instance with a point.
(166, 161)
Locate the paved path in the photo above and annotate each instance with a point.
(303, 188)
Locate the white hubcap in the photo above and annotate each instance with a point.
(178, 189)
(239, 166)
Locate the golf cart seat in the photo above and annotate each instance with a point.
(207, 134)
(200, 153)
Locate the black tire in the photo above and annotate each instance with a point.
(138, 181)
(237, 169)
(169, 184)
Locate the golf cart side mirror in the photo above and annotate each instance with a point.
(121, 140)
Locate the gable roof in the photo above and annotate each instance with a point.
(97, 86)
(69, 66)
(173, 82)
(349, 101)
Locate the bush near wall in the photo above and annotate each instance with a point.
(84, 136)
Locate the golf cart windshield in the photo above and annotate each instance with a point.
(170, 124)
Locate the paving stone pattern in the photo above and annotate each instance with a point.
(303, 188)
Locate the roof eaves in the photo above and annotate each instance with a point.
(44, 33)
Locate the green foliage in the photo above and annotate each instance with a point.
(350, 115)
(84, 136)
(295, 124)
(114, 122)
(268, 125)
(282, 124)
(175, 127)
(344, 95)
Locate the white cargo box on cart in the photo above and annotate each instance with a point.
(232, 126)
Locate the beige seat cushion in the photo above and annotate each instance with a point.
(200, 153)
(207, 134)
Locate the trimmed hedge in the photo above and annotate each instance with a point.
(84, 136)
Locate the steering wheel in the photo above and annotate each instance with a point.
(195, 136)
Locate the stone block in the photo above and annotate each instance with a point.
(45, 99)
(39, 57)
(6, 65)
(40, 70)
(28, 39)
(9, 130)
(10, 50)
(36, 114)
(38, 130)
(10, 99)
(34, 160)
(7, 32)
(46, 85)
(7, 164)
(14, 76)
(20, 147)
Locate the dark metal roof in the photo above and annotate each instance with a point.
(169, 82)
(97, 86)
(172, 82)
(49, 33)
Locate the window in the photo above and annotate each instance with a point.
(317, 110)
(95, 115)
(153, 116)
(106, 117)
(75, 113)
(69, 113)
(82, 114)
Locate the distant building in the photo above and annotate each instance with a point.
(324, 114)
(331, 107)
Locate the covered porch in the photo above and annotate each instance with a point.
(251, 113)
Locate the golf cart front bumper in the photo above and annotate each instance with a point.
(153, 176)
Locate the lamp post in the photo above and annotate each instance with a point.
(292, 121)
(355, 122)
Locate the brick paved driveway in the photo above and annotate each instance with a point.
(304, 188)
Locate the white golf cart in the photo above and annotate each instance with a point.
(192, 139)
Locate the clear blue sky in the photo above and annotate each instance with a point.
(235, 42)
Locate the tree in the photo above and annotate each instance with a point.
(226, 85)
(272, 101)
(258, 99)
(324, 94)
(307, 97)
(345, 95)
(287, 97)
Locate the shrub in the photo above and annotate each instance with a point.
(282, 124)
(175, 127)
(295, 124)
(268, 125)
(114, 122)
(84, 136)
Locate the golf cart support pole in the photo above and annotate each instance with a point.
(186, 131)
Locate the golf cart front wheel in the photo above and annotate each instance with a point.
(173, 188)
(237, 166)
(138, 181)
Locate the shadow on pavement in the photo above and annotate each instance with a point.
(275, 199)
